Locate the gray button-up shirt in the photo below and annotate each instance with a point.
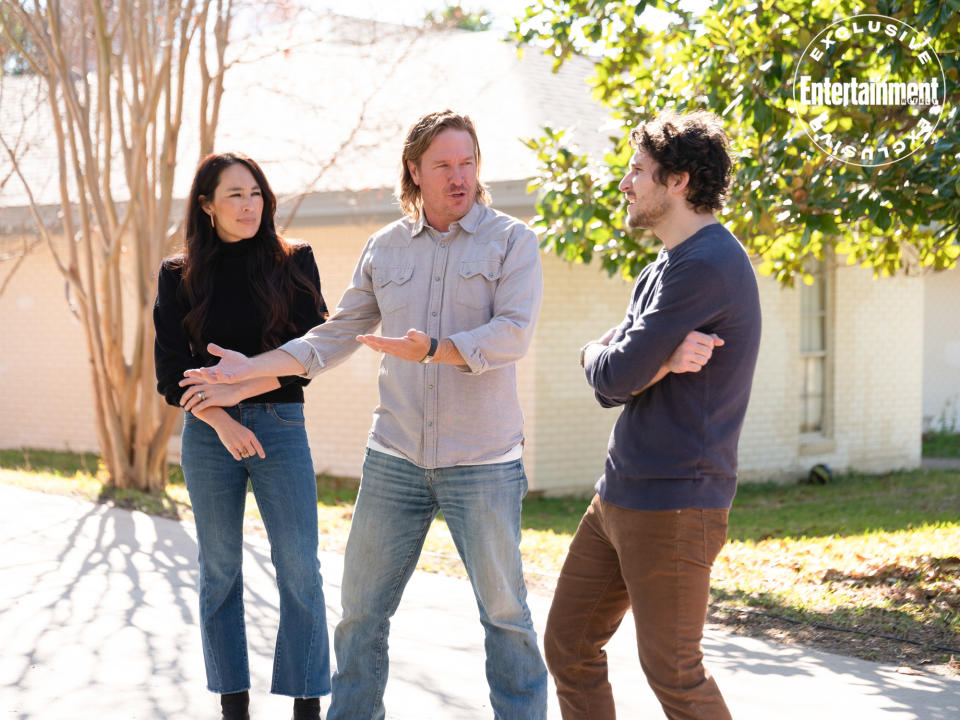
(480, 285)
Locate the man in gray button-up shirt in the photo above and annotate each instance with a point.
(456, 288)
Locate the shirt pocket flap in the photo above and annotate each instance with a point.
(489, 269)
(397, 275)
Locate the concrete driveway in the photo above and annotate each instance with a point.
(98, 620)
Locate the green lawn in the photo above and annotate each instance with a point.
(941, 444)
(852, 505)
(877, 555)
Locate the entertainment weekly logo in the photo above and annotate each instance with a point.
(851, 101)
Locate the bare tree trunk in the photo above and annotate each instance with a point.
(115, 74)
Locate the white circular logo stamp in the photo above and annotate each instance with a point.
(869, 90)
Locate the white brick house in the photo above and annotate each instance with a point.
(863, 339)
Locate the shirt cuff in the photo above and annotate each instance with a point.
(591, 352)
(470, 351)
(305, 354)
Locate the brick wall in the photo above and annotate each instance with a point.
(874, 386)
(875, 394)
(941, 350)
(44, 372)
(580, 303)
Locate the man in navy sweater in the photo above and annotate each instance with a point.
(681, 365)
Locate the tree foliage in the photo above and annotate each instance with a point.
(789, 200)
(454, 16)
(113, 74)
(12, 62)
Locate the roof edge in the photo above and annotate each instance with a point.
(347, 207)
(335, 207)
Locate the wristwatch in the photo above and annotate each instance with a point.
(428, 358)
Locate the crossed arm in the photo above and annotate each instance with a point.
(691, 355)
(238, 439)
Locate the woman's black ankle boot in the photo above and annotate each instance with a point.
(306, 709)
(235, 706)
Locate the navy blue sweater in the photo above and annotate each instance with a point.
(674, 445)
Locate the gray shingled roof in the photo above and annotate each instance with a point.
(292, 102)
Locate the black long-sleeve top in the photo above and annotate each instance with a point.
(233, 320)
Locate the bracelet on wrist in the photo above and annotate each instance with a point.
(428, 358)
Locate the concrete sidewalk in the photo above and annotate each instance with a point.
(98, 620)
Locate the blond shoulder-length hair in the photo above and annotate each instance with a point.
(418, 139)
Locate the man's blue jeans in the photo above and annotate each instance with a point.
(395, 506)
(285, 488)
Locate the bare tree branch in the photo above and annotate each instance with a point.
(349, 140)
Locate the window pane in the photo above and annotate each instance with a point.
(813, 376)
(813, 316)
(813, 415)
(812, 333)
(813, 349)
(806, 332)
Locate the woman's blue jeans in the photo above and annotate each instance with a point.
(285, 489)
(395, 506)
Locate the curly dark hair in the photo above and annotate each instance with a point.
(694, 143)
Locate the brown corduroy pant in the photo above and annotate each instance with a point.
(656, 563)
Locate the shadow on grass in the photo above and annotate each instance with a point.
(851, 505)
(161, 504)
(333, 491)
(865, 631)
(561, 515)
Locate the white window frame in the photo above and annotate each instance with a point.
(817, 299)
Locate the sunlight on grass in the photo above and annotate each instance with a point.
(82, 484)
(878, 554)
(904, 583)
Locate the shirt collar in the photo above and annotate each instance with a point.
(469, 222)
(419, 224)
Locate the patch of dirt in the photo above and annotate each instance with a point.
(909, 658)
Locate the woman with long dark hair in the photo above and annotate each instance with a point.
(239, 285)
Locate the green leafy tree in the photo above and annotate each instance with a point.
(454, 16)
(789, 200)
(12, 61)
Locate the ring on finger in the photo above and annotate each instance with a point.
(201, 396)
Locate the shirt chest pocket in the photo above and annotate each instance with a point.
(477, 283)
(391, 285)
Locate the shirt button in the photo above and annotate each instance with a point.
(430, 424)
(437, 278)
(434, 314)
(430, 386)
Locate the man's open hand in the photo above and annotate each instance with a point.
(413, 346)
(232, 368)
